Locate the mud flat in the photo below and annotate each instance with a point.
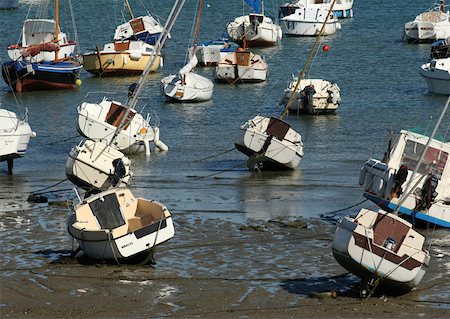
(213, 268)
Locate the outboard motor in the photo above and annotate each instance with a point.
(306, 97)
(131, 89)
(399, 179)
(119, 171)
(428, 193)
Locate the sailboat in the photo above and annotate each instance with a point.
(342, 8)
(15, 134)
(209, 53)
(312, 96)
(256, 28)
(115, 225)
(379, 246)
(129, 53)
(429, 26)
(44, 60)
(187, 86)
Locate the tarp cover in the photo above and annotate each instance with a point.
(107, 212)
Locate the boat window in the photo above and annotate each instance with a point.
(434, 159)
(137, 25)
(115, 114)
(107, 211)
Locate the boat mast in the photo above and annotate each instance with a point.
(56, 26)
(303, 72)
(422, 156)
(127, 5)
(198, 24)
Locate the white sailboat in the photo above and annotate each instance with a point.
(382, 249)
(115, 225)
(430, 25)
(188, 86)
(15, 134)
(95, 166)
(312, 96)
(437, 75)
(256, 28)
(242, 66)
(270, 144)
(308, 21)
(342, 8)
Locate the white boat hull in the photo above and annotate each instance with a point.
(372, 247)
(262, 32)
(241, 67)
(284, 151)
(437, 76)
(91, 166)
(428, 27)
(195, 88)
(324, 96)
(308, 21)
(139, 225)
(15, 135)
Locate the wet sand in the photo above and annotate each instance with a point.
(216, 268)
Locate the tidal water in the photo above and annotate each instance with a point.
(201, 174)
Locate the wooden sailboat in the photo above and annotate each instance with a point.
(312, 96)
(40, 62)
(381, 247)
(129, 53)
(188, 86)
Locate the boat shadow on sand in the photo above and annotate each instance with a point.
(344, 285)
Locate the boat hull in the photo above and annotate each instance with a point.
(371, 246)
(23, 76)
(114, 225)
(116, 63)
(15, 135)
(437, 76)
(195, 88)
(267, 151)
(255, 30)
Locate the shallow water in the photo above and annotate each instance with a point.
(201, 177)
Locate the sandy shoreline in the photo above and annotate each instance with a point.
(215, 268)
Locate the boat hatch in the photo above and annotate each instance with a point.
(121, 45)
(137, 25)
(389, 232)
(434, 160)
(277, 128)
(115, 114)
(243, 58)
(254, 17)
(107, 211)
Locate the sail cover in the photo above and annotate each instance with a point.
(254, 4)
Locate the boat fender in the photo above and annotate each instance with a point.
(362, 176)
(135, 55)
(158, 143)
